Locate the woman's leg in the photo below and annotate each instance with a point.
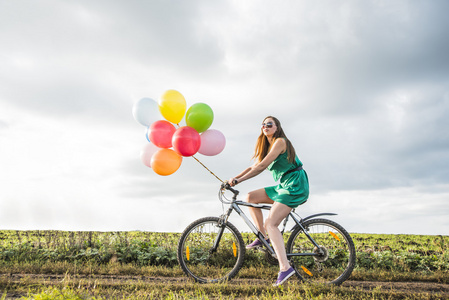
(256, 197)
(278, 213)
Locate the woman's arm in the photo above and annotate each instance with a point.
(243, 173)
(279, 147)
(235, 179)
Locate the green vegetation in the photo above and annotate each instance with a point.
(76, 265)
(100, 247)
(403, 253)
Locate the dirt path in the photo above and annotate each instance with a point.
(44, 279)
(407, 287)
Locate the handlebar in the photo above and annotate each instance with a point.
(227, 186)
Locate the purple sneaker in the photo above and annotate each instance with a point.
(256, 244)
(283, 276)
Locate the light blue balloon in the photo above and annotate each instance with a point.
(146, 111)
(146, 133)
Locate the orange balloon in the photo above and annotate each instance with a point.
(166, 162)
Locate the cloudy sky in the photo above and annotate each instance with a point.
(361, 89)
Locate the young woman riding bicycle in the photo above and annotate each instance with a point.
(275, 152)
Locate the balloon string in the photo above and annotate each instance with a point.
(207, 168)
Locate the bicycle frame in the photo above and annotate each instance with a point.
(235, 206)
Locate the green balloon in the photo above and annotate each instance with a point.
(199, 116)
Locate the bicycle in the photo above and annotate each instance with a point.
(212, 249)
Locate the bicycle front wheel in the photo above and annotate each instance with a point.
(334, 258)
(203, 262)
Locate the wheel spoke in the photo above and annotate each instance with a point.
(198, 257)
(334, 257)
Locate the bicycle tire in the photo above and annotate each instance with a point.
(337, 260)
(196, 259)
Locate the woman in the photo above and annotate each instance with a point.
(275, 153)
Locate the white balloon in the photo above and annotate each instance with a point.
(146, 111)
(147, 153)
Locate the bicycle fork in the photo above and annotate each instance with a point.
(222, 225)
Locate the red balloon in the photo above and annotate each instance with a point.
(186, 141)
(160, 133)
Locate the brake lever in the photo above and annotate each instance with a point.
(227, 186)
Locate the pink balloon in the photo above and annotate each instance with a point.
(212, 142)
(186, 141)
(160, 133)
(147, 153)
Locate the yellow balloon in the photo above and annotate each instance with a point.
(165, 162)
(172, 106)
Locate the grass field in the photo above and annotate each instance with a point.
(142, 265)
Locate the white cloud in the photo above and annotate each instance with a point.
(360, 87)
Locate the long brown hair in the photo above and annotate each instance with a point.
(263, 146)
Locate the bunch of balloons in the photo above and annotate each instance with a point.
(167, 143)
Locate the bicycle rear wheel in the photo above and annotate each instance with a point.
(197, 257)
(336, 253)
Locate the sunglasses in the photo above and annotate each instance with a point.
(268, 124)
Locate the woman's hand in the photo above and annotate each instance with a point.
(233, 181)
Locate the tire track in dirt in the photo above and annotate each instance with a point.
(403, 287)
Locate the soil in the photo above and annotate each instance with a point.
(402, 287)
(406, 287)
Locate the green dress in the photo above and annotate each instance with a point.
(293, 188)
